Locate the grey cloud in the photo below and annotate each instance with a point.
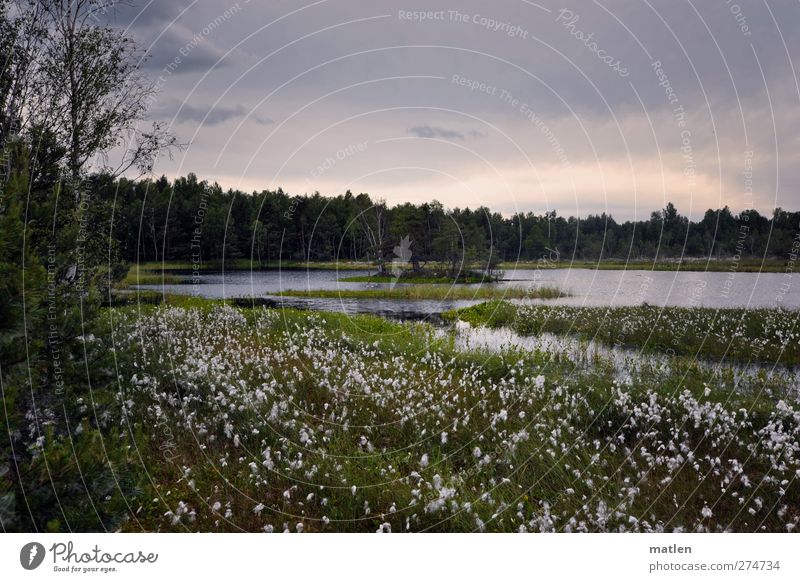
(187, 113)
(143, 14)
(189, 51)
(435, 132)
(336, 60)
(428, 131)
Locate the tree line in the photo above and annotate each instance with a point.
(192, 220)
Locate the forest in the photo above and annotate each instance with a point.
(159, 220)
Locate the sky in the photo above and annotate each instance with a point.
(581, 107)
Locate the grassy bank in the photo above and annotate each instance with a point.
(281, 420)
(150, 274)
(175, 272)
(483, 292)
(743, 335)
(155, 273)
(687, 264)
(429, 279)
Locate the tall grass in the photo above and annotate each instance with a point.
(744, 335)
(276, 420)
(485, 291)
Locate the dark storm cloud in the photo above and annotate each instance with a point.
(426, 131)
(146, 13)
(209, 116)
(537, 78)
(193, 52)
(181, 33)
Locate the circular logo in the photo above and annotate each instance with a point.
(31, 555)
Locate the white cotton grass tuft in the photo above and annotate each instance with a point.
(297, 435)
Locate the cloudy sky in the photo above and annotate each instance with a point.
(578, 106)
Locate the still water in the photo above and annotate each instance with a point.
(626, 362)
(585, 287)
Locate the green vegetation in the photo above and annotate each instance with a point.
(485, 291)
(686, 264)
(71, 91)
(423, 277)
(174, 272)
(399, 431)
(267, 228)
(742, 335)
(149, 275)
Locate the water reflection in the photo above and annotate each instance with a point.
(626, 362)
(584, 286)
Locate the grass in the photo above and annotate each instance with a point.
(290, 420)
(418, 292)
(686, 264)
(156, 273)
(742, 335)
(431, 279)
(149, 274)
(173, 272)
(124, 297)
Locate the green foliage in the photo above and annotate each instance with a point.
(56, 364)
(549, 434)
(188, 220)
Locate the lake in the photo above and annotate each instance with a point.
(586, 287)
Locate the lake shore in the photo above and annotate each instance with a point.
(153, 273)
(414, 292)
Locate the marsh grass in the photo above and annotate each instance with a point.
(464, 278)
(417, 292)
(276, 418)
(156, 273)
(741, 335)
(687, 264)
(151, 274)
(174, 272)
